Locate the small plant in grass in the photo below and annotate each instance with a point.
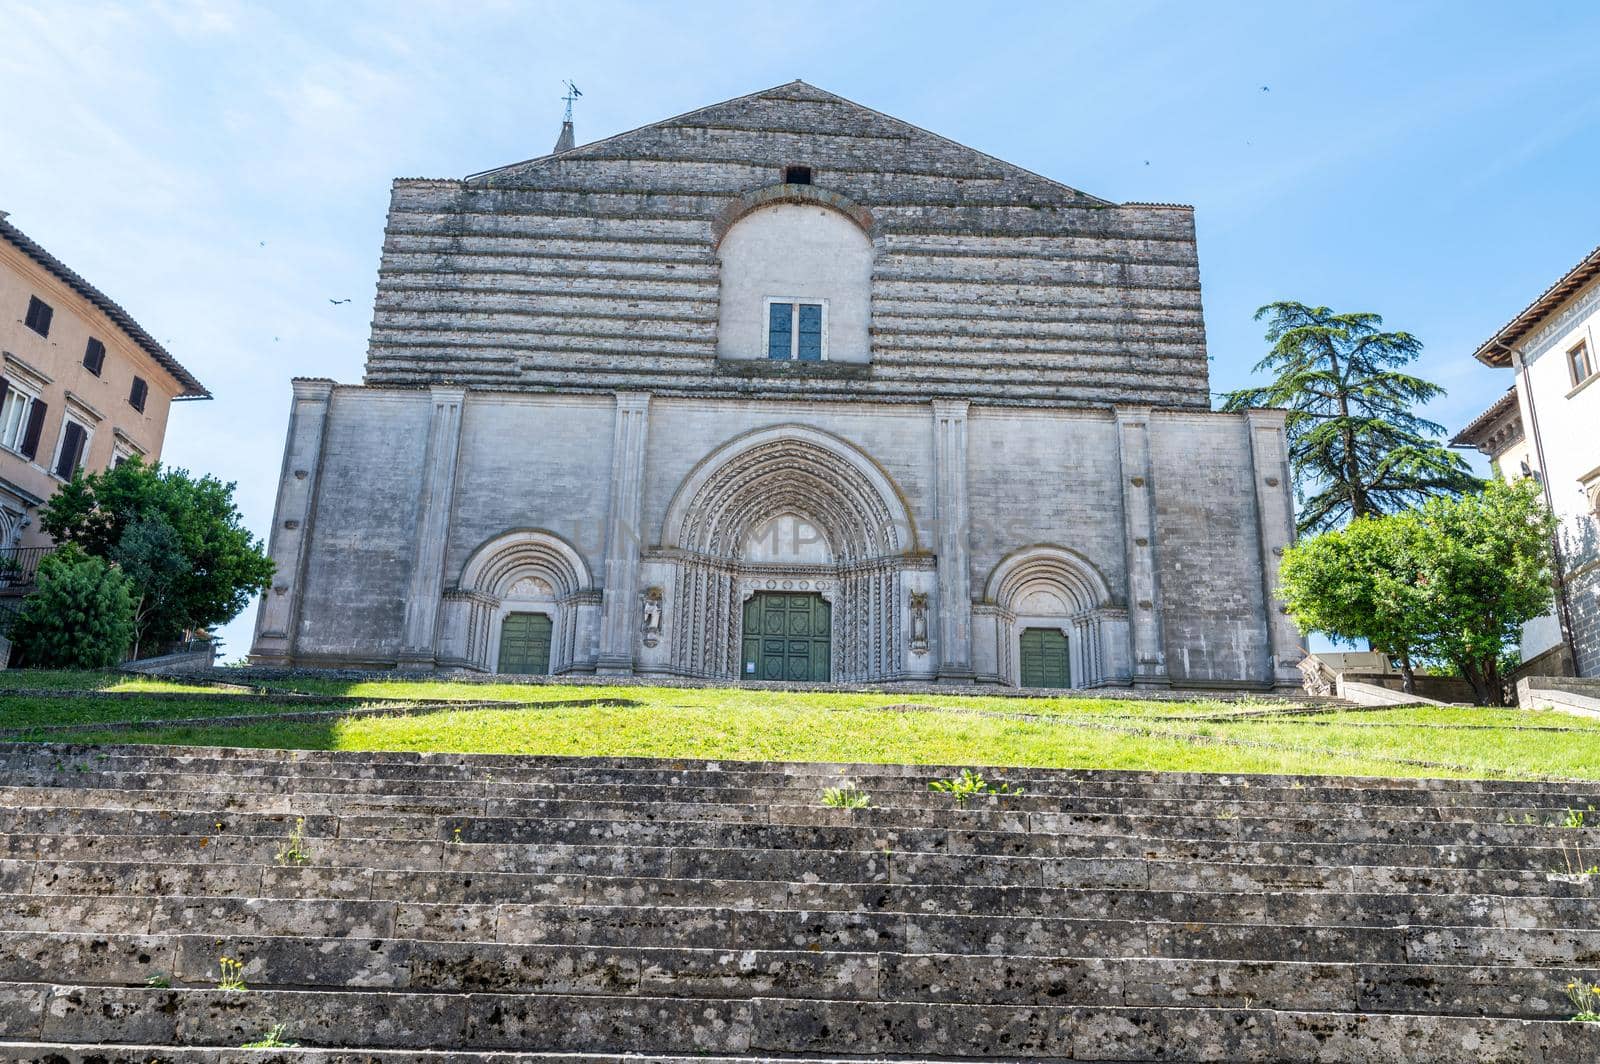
(963, 787)
(232, 974)
(455, 837)
(293, 849)
(846, 796)
(158, 981)
(1575, 817)
(1585, 997)
(273, 1039)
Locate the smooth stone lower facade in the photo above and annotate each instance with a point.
(412, 523)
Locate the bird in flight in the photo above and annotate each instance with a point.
(336, 302)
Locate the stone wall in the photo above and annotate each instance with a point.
(397, 560)
(598, 269)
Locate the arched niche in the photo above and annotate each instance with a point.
(792, 249)
(521, 571)
(1055, 588)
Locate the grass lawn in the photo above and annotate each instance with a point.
(755, 724)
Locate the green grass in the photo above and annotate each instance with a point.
(754, 724)
(84, 680)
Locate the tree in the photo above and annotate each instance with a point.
(1360, 582)
(1452, 581)
(80, 616)
(1487, 571)
(1355, 447)
(181, 540)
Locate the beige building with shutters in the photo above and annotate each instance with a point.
(83, 386)
(783, 389)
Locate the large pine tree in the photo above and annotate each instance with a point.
(1356, 447)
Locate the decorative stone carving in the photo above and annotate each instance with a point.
(919, 622)
(652, 616)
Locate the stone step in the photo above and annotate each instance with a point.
(63, 1053)
(651, 803)
(763, 1025)
(1327, 907)
(712, 927)
(191, 962)
(217, 873)
(65, 763)
(888, 828)
(525, 845)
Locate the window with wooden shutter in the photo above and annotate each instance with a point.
(29, 446)
(70, 454)
(94, 356)
(14, 404)
(39, 315)
(136, 397)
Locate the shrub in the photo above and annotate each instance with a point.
(79, 617)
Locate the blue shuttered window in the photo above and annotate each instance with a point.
(780, 326)
(794, 330)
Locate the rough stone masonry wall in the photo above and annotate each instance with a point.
(597, 269)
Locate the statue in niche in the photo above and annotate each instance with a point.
(919, 622)
(652, 616)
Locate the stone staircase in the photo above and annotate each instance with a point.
(403, 907)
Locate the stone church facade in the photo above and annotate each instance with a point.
(782, 389)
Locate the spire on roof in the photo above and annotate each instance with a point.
(565, 142)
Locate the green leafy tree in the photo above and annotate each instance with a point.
(1360, 582)
(193, 563)
(80, 616)
(1452, 581)
(1355, 446)
(1486, 572)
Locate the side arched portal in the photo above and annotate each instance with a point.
(788, 510)
(527, 571)
(1051, 589)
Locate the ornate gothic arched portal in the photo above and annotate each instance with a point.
(789, 509)
(1052, 587)
(526, 571)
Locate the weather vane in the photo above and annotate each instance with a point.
(572, 94)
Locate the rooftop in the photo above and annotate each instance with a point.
(192, 388)
(1495, 351)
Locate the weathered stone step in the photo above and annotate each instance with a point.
(710, 927)
(526, 845)
(542, 800)
(191, 962)
(558, 1023)
(63, 1053)
(505, 821)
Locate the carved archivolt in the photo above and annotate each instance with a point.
(1050, 586)
(830, 485)
(499, 565)
(526, 570)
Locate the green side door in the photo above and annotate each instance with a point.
(787, 637)
(1044, 658)
(525, 644)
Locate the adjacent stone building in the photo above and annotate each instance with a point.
(1544, 427)
(783, 389)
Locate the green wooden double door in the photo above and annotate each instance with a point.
(525, 644)
(787, 636)
(1044, 658)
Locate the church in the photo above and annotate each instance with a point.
(783, 389)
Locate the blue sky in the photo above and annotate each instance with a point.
(223, 170)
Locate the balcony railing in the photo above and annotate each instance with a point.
(20, 565)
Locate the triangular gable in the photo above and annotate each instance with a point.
(798, 109)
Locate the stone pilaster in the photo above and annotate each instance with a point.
(435, 499)
(279, 614)
(619, 608)
(1139, 515)
(954, 523)
(1269, 461)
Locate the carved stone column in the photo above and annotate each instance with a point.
(279, 614)
(1139, 514)
(1269, 461)
(619, 609)
(954, 524)
(435, 498)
